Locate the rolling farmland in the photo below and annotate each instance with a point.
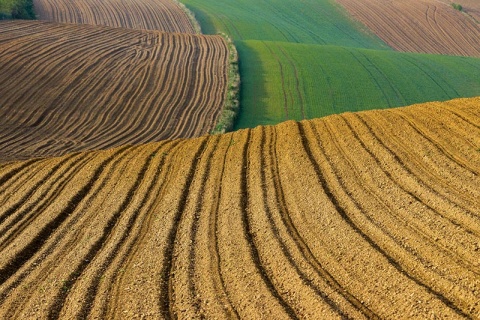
(67, 88)
(160, 15)
(283, 81)
(470, 7)
(307, 21)
(359, 215)
(428, 26)
(290, 68)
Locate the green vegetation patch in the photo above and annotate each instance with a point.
(457, 6)
(282, 81)
(17, 9)
(306, 21)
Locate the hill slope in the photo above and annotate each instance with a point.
(306, 59)
(284, 81)
(359, 215)
(161, 15)
(307, 21)
(428, 26)
(76, 87)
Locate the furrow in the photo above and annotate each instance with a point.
(21, 255)
(57, 257)
(346, 215)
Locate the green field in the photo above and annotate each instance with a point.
(297, 81)
(300, 21)
(306, 59)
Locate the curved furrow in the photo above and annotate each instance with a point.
(215, 267)
(162, 15)
(167, 297)
(116, 236)
(405, 158)
(467, 113)
(284, 253)
(16, 174)
(427, 224)
(408, 232)
(418, 26)
(44, 267)
(285, 208)
(185, 281)
(249, 225)
(107, 87)
(245, 282)
(24, 247)
(444, 146)
(336, 244)
(351, 212)
(24, 211)
(109, 292)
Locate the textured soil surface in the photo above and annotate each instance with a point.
(361, 215)
(68, 87)
(428, 26)
(161, 15)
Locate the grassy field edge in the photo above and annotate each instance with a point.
(231, 107)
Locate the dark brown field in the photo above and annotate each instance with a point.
(160, 15)
(67, 88)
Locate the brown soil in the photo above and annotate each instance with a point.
(161, 15)
(429, 26)
(70, 87)
(360, 215)
(470, 7)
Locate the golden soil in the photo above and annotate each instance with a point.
(429, 26)
(361, 215)
(71, 87)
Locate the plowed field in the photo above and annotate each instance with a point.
(470, 7)
(360, 215)
(75, 87)
(428, 26)
(162, 15)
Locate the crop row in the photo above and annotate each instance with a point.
(99, 87)
(360, 215)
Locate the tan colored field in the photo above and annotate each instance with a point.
(429, 26)
(69, 87)
(470, 7)
(361, 215)
(161, 15)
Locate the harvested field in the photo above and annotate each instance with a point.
(67, 88)
(429, 26)
(161, 15)
(360, 215)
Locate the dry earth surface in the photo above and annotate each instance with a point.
(71, 87)
(470, 7)
(360, 215)
(162, 15)
(428, 26)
